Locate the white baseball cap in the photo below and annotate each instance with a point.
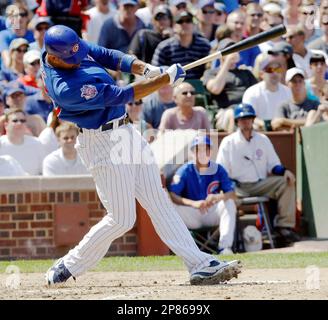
(291, 73)
(31, 56)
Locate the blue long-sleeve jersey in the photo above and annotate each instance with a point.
(88, 95)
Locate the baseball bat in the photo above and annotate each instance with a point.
(240, 46)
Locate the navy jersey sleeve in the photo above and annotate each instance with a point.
(111, 59)
(178, 181)
(82, 96)
(225, 181)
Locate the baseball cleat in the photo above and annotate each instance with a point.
(58, 273)
(217, 272)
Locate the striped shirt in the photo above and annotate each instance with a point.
(170, 51)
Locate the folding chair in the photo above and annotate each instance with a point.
(259, 201)
(207, 238)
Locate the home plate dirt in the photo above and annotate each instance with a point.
(251, 284)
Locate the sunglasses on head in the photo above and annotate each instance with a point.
(137, 103)
(185, 93)
(274, 70)
(208, 11)
(18, 120)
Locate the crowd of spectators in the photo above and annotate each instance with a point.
(284, 79)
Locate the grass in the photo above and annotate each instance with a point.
(123, 264)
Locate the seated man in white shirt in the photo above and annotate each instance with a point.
(65, 160)
(9, 167)
(251, 161)
(27, 150)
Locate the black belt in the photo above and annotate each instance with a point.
(109, 126)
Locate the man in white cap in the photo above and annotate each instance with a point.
(31, 62)
(294, 112)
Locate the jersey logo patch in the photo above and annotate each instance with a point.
(176, 179)
(213, 187)
(88, 91)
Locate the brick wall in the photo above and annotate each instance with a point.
(27, 216)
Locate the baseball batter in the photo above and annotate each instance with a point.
(119, 159)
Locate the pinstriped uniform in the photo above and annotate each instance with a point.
(118, 185)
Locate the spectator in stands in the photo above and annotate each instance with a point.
(295, 36)
(227, 84)
(267, 95)
(65, 160)
(321, 114)
(40, 26)
(39, 103)
(15, 68)
(155, 105)
(118, 31)
(18, 17)
(27, 150)
(294, 112)
(204, 195)
(284, 51)
(321, 43)
(205, 17)
(15, 97)
(254, 18)
(145, 41)
(236, 22)
(314, 85)
(31, 61)
(251, 161)
(185, 115)
(146, 13)
(98, 14)
(185, 47)
(307, 15)
(291, 12)
(10, 167)
(220, 15)
(178, 6)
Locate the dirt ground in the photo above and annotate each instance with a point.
(251, 284)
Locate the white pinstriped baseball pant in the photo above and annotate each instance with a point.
(118, 185)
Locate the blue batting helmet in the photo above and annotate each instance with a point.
(244, 110)
(201, 140)
(64, 43)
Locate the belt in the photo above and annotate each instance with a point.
(113, 124)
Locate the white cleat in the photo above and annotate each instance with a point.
(217, 272)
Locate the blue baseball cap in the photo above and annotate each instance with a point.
(10, 89)
(133, 2)
(204, 3)
(201, 140)
(219, 6)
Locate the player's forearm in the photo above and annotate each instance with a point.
(146, 87)
(180, 200)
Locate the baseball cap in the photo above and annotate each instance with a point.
(177, 2)
(204, 3)
(31, 56)
(219, 6)
(13, 88)
(272, 8)
(183, 14)
(133, 2)
(16, 43)
(38, 20)
(318, 56)
(162, 9)
(291, 73)
(201, 140)
(282, 47)
(267, 61)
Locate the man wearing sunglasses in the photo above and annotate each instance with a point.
(184, 47)
(205, 16)
(40, 26)
(267, 95)
(31, 62)
(18, 17)
(27, 150)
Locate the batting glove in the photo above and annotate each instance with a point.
(152, 71)
(176, 74)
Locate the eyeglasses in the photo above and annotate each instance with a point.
(259, 15)
(185, 93)
(208, 11)
(21, 50)
(318, 63)
(307, 13)
(274, 70)
(137, 103)
(218, 13)
(18, 120)
(189, 20)
(35, 63)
